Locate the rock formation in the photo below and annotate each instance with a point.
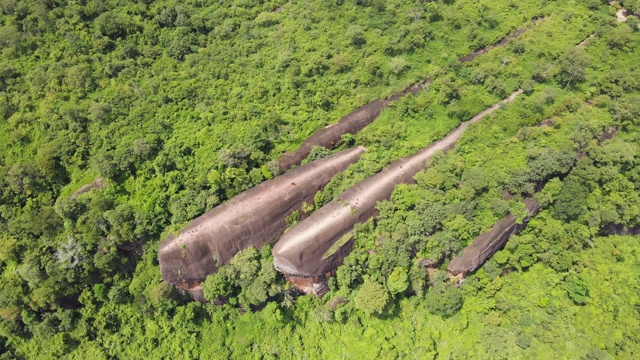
(490, 242)
(316, 246)
(253, 218)
(349, 124)
(97, 183)
(366, 114)
(502, 42)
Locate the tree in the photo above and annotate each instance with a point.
(518, 209)
(104, 165)
(355, 34)
(217, 285)
(431, 178)
(615, 152)
(571, 66)
(318, 152)
(235, 156)
(100, 112)
(550, 192)
(443, 299)
(476, 178)
(114, 25)
(398, 281)
(372, 297)
(179, 48)
(578, 291)
(349, 274)
(621, 38)
(417, 277)
(9, 36)
(245, 266)
(47, 160)
(626, 110)
(397, 65)
(23, 179)
(633, 6)
(249, 276)
(570, 203)
(545, 162)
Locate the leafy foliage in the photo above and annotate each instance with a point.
(180, 106)
(371, 297)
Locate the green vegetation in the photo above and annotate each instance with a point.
(249, 277)
(179, 106)
(338, 244)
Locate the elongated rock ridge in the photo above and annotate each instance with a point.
(491, 241)
(253, 218)
(361, 117)
(316, 246)
(351, 123)
(488, 243)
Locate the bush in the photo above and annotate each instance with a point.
(372, 297)
(444, 299)
(578, 291)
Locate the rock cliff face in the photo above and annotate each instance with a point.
(348, 124)
(615, 229)
(317, 245)
(490, 242)
(253, 218)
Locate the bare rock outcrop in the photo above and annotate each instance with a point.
(358, 119)
(616, 229)
(502, 42)
(98, 183)
(351, 123)
(490, 242)
(316, 246)
(253, 218)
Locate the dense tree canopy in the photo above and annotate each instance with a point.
(121, 121)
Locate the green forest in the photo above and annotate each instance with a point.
(121, 121)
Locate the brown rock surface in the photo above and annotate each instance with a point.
(514, 34)
(366, 114)
(253, 218)
(318, 244)
(98, 183)
(490, 242)
(348, 124)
